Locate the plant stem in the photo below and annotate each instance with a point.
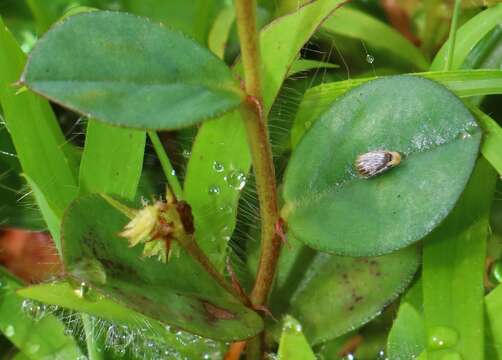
(188, 243)
(453, 35)
(172, 180)
(261, 152)
(245, 12)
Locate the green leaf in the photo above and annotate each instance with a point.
(330, 208)
(194, 17)
(376, 34)
(407, 337)
(293, 345)
(453, 269)
(337, 294)
(112, 160)
(220, 31)
(106, 311)
(224, 140)
(40, 338)
(468, 35)
(492, 138)
(179, 293)
(32, 125)
(493, 308)
(17, 208)
(282, 40)
(463, 83)
(135, 73)
(301, 65)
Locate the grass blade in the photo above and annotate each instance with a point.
(36, 135)
(453, 269)
(112, 160)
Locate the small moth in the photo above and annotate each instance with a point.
(376, 162)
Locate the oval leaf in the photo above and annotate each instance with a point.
(331, 208)
(178, 293)
(339, 294)
(129, 71)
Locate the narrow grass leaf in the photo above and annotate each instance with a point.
(468, 35)
(293, 345)
(35, 133)
(376, 34)
(453, 269)
(112, 160)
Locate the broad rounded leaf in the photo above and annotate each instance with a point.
(339, 294)
(178, 293)
(331, 208)
(129, 71)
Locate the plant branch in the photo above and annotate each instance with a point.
(261, 152)
(453, 35)
(172, 180)
(245, 11)
(188, 243)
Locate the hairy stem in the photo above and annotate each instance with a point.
(265, 183)
(245, 13)
(261, 152)
(172, 180)
(188, 243)
(263, 166)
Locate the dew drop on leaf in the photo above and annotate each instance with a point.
(236, 179)
(218, 167)
(442, 337)
(496, 272)
(10, 331)
(370, 59)
(83, 290)
(213, 190)
(33, 309)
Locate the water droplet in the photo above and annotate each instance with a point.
(496, 272)
(33, 348)
(83, 290)
(10, 331)
(307, 124)
(218, 167)
(213, 190)
(236, 179)
(464, 135)
(370, 59)
(33, 309)
(173, 172)
(451, 355)
(186, 153)
(442, 337)
(291, 325)
(381, 355)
